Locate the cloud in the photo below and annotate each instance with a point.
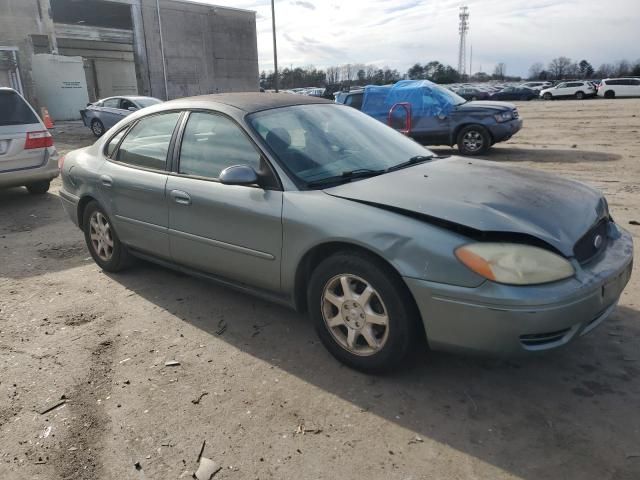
(399, 33)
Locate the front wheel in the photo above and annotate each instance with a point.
(102, 240)
(547, 96)
(362, 312)
(473, 140)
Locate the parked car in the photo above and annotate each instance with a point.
(537, 85)
(514, 93)
(262, 192)
(27, 154)
(352, 98)
(104, 114)
(619, 87)
(438, 116)
(472, 94)
(577, 90)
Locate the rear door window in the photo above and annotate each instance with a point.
(14, 110)
(111, 103)
(147, 143)
(126, 104)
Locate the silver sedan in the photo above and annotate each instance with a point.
(322, 208)
(104, 114)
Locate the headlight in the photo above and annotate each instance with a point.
(503, 117)
(514, 264)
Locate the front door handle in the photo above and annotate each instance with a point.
(180, 197)
(106, 180)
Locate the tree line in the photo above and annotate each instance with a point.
(563, 68)
(359, 74)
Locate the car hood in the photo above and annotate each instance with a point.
(485, 105)
(486, 197)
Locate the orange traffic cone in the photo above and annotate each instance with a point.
(46, 118)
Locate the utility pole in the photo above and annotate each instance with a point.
(463, 28)
(471, 61)
(164, 60)
(275, 46)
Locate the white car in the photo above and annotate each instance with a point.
(27, 155)
(619, 87)
(578, 90)
(537, 85)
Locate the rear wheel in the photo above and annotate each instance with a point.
(39, 188)
(473, 140)
(579, 95)
(609, 94)
(362, 312)
(473, 99)
(102, 240)
(97, 127)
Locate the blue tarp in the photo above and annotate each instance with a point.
(426, 98)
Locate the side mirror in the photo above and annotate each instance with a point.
(132, 109)
(239, 175)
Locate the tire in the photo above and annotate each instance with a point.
(473, 140)
(547, 96)
(39, 188)
(579, 95)
(103, 244)
(473, 99)
(97, 127)
(609, 94)
(366, 346)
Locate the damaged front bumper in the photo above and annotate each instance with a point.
(507, 320)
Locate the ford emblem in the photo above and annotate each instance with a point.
(597, 241)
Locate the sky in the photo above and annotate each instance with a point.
(399, 33)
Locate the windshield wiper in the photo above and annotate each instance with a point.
(346, 176)
(412, 161)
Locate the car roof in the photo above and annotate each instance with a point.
(248, 101)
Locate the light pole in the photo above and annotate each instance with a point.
(275, 46)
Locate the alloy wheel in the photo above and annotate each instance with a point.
(101, 236)
(473, 141)
(97, 128)
(355, 314)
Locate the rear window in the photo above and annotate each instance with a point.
(14, 110)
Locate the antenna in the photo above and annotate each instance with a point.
(463, 30)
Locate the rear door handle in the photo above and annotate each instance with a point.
(180, 197)
(106, 180)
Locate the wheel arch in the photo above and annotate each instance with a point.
(82, 205)
(312, 258)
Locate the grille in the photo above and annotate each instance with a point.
(515, 113)
(543, 339)
(585, 248)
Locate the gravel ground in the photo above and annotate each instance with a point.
(256, 385)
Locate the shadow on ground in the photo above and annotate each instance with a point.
(576, 406)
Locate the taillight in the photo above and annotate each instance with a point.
(61, 162)
(41, 139)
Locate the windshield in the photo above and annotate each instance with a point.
(316, 142)
(454, 97)
(147, 102)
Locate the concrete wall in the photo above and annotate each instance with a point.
(208, 49)
(60, 85)
(18, 20)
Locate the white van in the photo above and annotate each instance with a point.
(619, 87)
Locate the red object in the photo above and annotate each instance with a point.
(46, 118)
(41, 139)
(407, 110)
(60, 162)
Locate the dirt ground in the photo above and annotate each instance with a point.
(256, 385)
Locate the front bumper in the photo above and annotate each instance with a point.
(501, 132)
(504, 320)
(22, 177)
